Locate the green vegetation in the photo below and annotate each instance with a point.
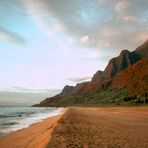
(108, 97)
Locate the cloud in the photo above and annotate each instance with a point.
(37, 11)
(76, 17)
(140, 38)
(126, 37)
(131, 10)
(123, 10)
(27, 90)
(84, 39)
(103, 2)
(94, 24)
(127, 18)
(9, 36)
(23, 97)
(79, 79)
(122, 6)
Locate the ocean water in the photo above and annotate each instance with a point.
(16, 118)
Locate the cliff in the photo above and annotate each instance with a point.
(135, 78)
(128, 70)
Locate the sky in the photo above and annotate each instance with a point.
(47, 44)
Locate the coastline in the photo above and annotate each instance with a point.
(85, 127)
(36, 135)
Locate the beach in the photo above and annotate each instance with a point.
(78, 127)
(37, 135)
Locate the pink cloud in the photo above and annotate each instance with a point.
(140, 38)
(121, 6)
(127, 18)
(103, 2)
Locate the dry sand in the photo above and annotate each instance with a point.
(102, 128)
(122, 127)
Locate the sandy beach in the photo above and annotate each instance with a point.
(123, 127)
(36, 136)
(110, 127)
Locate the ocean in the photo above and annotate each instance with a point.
(16, 118)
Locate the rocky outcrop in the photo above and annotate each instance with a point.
(135, 78)
(142, 51)
(68, 90)
(125, 59)
(71, 90)
(97, 77)
(119, 63)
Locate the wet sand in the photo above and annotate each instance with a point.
(110, 127)
(36, 136)
(125, 127)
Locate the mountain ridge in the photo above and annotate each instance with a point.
(114, 72)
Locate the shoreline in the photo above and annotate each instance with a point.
(85, 127)
(17, 124)
(36, 135)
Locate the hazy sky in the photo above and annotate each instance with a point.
(45, 44)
